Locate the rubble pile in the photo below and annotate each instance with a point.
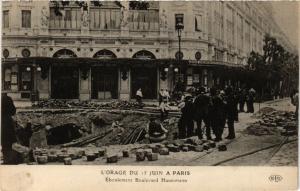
(263, 111)
(90, 125)
(273, 122)
(63, 104)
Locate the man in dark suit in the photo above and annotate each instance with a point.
(8, 134)
(230, 110)
(201, 107)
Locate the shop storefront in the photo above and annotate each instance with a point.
(107, 79)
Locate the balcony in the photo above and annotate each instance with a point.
(106, 21)
(146, 21)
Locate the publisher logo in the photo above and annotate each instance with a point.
(275, 178)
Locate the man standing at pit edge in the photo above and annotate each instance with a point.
(8, 134)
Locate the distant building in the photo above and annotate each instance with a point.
(109, 51)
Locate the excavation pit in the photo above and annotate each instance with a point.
(100, 128)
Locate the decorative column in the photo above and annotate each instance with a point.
(15, 12)
(43, 81)
(163, 21)
(235, 37)
(124, 18)
(225, 55)
(124, 79)
(84, 81)
(85, 19)
(225, 26)
(44, 17)
(211, 40)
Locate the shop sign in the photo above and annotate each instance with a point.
(196, 78)
(190, 80)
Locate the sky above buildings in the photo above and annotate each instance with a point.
(286, 14)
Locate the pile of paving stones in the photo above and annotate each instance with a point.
(274, 122)
(151, 152)
(66, 156)
(63, 104)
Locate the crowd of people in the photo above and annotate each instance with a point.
(210, 109)
(214, 108)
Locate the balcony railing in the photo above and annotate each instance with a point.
(106, 20)
(143, 20)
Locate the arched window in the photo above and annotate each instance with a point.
(64, 53)
(104, 54)
(144, 54)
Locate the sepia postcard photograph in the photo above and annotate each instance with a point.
(149, 95)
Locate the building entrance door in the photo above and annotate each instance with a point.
(104, 83)
(65, 82)
(145, 78)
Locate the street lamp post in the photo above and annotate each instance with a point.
(34, 92)
(179, 27)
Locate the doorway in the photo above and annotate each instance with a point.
(65, 82)
(145, 78)
(105, 83)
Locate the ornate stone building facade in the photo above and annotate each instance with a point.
(109, 51)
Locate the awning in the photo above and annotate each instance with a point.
(129, 62)
(213, 63)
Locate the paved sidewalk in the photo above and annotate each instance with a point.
(25, 104)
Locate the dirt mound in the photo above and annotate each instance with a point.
(264, 110)
(273, 122)
(259, 130)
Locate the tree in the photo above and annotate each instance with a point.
(59, 5)
(139, 5)
(275, 68)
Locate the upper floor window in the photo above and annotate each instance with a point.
(70, 18)
(218, 55)
(198, 22)
(141, 19)
(179, 21)
(230, 26)
(108, 16)
(240, 31)
(5, 19)
(26, 19)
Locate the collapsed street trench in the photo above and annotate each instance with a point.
(83, 128)
(59, 131)
(63, 134)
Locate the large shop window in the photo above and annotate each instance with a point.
(26, 18)
(5, 20)
(70, 18)
(6, 79)
(140, 20)
(105, 18)
(26, 78)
